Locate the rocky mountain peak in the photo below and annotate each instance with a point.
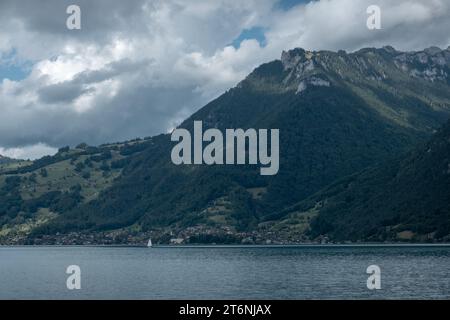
(371, 64)
(305, 69)
(431, 64)
(291, 58)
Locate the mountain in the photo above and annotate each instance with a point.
(34, 193)
(7, 164)
(5, 160)
(406, 199)
(338, 113)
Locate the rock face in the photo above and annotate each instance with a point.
(431, 64)
(313, 81)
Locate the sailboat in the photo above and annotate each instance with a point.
(149, 244)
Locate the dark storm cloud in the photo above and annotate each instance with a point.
(100, 17)
(68, 91)
(64, 92)
(112, 70)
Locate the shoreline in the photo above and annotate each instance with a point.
(206, 246)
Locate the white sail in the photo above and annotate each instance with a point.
(149, 244)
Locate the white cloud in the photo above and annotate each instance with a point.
(139, 67)
(28, 152)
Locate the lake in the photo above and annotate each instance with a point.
(221, 272)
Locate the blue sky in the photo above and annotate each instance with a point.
(12, 69)
(256, 33)
(288, 4)
(13, 72)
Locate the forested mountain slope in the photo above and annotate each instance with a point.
(337, 113)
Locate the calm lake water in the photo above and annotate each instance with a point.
(306, 272)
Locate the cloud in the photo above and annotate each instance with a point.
(29, 152)
(137, 68)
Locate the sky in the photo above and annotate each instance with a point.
(138, 68)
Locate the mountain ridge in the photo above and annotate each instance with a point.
(338, 114)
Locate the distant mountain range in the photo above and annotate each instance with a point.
(362, 158)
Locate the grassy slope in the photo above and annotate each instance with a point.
(76, 175)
